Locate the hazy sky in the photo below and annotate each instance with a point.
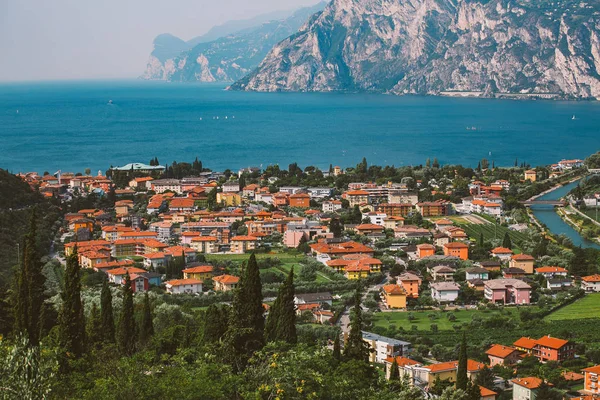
(77, 39)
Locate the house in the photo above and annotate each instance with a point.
(205, 244)
(445, 292)
(401, 362)
(425, 250)
(507, 291)
(339, 249)
(152, 261)
(487, 394)
(330, 206)
(559, 283)
(139, 283)
(522, 261)
(502, 355)
(551, 272)
(231, 187)
(428, 374)
(184, 286)
(225, 283)
(502, 253)
(319, 298)
(356, 271)
(384, 347)
(441, 273)
(198, 271)
(435, 208)
(440, 239)
(117, 275)
(457, 249)
(591, 283)
(443, 224)
(280, 199)
(243, 244)
(525, 344)
(491, 265)
(526, 388)
(357, 197)
(163, 185)
(369, 229)
(513, 273)
(411, 283)
(395, 209)
(143, 183)
(301, 200)
(394, 296)
(477, 284)
(229, 199)
(392, 222)
(548, 348)
(530, 175)
(476, 273)
(591, 384)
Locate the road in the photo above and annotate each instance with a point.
(344, 321)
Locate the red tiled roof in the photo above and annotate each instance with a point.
(502, 250)
(594, 370)
(180, 282)
(525, 342)
(500, 351)
(227, 279)
(402, 361)
(523, 257)
(543, 270)
(199, 269)
(551, 342)
(591, 278)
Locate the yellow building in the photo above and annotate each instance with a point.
(357, 271)
(81, 224)
(201, 272)
(229, 199)
(394, 296)
(530, 175)
(522, 261)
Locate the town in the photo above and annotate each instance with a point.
(437, 262)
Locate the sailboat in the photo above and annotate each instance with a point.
(573, 118)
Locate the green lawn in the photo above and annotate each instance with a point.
(424, 322)
(587, 307)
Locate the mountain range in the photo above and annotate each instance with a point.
(225, 53)
(492, 48)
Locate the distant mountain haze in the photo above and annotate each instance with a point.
(242, 47)
(489, 48)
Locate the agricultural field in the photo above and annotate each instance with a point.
(593, 214)
(424, 319)
(493, 231)
(587, 307)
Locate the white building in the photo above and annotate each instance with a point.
(591, 283)
(163, 185)
(445, 292)
(184, 286)
(384, 347)
(376, 218)
(331, 206)
(231, 187)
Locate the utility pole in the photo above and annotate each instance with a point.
(19, 251)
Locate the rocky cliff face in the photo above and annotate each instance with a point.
(227, 58)
(455, 47)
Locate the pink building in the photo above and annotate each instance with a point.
(507, 291)
(291, 238)
(186, 237)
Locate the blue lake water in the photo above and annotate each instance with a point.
(71, 126)
(554, 222)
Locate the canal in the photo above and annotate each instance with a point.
(549, 217)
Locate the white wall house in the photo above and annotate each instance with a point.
(445, 292)
(181, 286)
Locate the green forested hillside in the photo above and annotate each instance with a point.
(17, 202)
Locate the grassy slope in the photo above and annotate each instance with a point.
(587, 307)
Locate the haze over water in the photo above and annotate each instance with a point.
(71, 126)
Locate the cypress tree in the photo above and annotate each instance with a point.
(215, 323)
(246, 329)
(461, 373)
(146, 325)
(107, 320)
(71, 321)
(481, 240)
(472, 392)
(281, 322)
(337, 351)
(126, 336)
(506, 242)
(356, 348)
(94, 327)
(30, 287)
(394, 371)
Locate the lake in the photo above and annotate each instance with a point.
(71, 126)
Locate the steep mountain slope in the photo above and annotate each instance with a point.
(227, 58)
(485, 47)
